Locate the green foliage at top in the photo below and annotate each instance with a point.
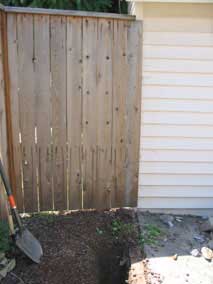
(4, 237)
(113, 6)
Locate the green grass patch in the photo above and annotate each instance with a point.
(119, 228)
(150, 235)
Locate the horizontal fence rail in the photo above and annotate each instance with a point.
(75, 108)
(42, 11)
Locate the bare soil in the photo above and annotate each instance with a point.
(168, 255)
(80, 248)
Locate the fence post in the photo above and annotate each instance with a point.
(6, 78)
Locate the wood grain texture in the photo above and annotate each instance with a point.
(90, 111)
(57, 12)
(104, 188)
(8, 150)
(74, 111)
(26, 89)
(120, 93)
(43, 112)
(59, 108)
(133, 112)
(14, 90)
(3, 131)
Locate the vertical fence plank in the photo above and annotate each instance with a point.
(3, 131)
(104, 113)
(120, 90)
(43, 111)
(74, 110)
(27, 108)
(6, 77)
(13, 72)
(133, 112)
(58, 96)
(90, 111)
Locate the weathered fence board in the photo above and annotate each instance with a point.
(26, 89)
(14, 100)
(3, 132)
(120, 91)
(104, 113)
(133, 112)
(43, 112)
(75, 101)
(59, 102)
(90, 119)
(74, 111)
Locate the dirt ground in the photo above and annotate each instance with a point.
(84, 247)
(168, 243)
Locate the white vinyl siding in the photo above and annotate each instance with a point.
(176, 155)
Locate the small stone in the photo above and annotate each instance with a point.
(207, 226)
(199, 238)
(210, 244)
(167, 220)
(2, 256)
(179, 219)
(175, 257)
(123, 261)
(170, 224)
(207, 253)
(8, 266)
(195, 253)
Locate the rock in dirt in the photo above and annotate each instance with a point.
(195, 253)
(199, 238)
(179, 219)
(167, 220)
(6, 265)
(175, 257)
(123, 261)
(210, 244)
(207, 253)
(207, 226)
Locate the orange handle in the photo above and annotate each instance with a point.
(12, 201)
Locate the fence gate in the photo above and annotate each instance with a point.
(74, 94)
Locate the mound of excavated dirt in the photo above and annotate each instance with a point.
(83, 247)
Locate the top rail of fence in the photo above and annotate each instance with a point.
(57, 12)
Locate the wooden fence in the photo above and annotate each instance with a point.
(3, 124)
(74, 115)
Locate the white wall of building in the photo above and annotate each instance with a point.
(176, 155)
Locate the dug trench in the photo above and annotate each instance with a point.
(82, 247)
